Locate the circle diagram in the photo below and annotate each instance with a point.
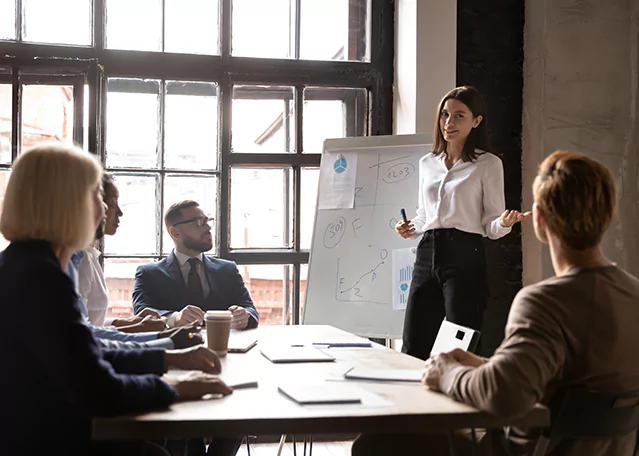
(340, 165)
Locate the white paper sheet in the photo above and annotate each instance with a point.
(337, 185)
(403, 265)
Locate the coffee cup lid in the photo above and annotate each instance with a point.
(219, 315)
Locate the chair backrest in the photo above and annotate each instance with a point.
(584, 414)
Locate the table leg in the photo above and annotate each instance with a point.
(281, 445)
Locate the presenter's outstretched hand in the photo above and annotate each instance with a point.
(405, 229)
(509, 218)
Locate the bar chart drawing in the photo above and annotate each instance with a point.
(403, 267)
(405, 275)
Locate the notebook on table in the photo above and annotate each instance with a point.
(452, 336)
(240, 342)
(332, 393)
(286, 354)
(388, 375)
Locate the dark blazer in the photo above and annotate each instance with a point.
(160, 286)
(56, 378)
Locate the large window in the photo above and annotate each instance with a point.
(226, 102)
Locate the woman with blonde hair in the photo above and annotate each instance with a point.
(57, 379)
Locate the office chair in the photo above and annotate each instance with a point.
(590, 415)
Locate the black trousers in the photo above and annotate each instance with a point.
(449, 280)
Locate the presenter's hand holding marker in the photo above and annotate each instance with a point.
(404, 227)
(509, 218)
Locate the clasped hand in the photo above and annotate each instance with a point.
(438, 365)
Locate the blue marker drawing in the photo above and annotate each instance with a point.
(406, 274)
(340, 165)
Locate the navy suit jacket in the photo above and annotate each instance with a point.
(56, 377)
(160, 286)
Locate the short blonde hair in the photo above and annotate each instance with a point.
(577, 195)
(49, 196)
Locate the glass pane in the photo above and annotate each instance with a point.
(47, 114)
(59, 21)
(260, 208)
(263, 28)
(134, 25)
(310, 182)
(120, 277)
(5, 117)
(263, 119)
(132, 129)
(191, 26)
(4, 180)
(8, 20)
(190, 128)
(137, 233)
(347, 22)
(203, 189)
(332, 113)
(266, 285)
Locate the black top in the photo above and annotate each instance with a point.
(54, 378)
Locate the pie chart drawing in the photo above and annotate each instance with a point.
(340, 165)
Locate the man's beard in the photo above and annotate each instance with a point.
(198, 246)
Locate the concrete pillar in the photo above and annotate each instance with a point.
(580, 93)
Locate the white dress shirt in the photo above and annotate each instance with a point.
(469, 196)
(185, 268)
(92, 287)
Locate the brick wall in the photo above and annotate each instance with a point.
(490, 39)
(267, 294)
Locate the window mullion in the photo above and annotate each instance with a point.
(19, 20)
(16, 113)
(225, 28)
(163, 34)
(297, 22)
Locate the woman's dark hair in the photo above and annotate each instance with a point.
(478, 137)
(107, 184)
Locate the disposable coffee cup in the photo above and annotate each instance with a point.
(218, 328)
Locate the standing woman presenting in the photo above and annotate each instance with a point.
(461, 200)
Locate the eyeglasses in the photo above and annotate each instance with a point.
(198, 222)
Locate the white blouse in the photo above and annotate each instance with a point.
(469, 196)
(92, 287)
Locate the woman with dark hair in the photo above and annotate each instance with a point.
(92, 285)
(461, 200)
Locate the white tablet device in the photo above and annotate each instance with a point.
(452, 336)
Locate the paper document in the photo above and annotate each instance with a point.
(337, 180)
(283, 354)
(403, 265)
(389, 375)
(330, 393)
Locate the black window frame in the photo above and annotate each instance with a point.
(96, 63)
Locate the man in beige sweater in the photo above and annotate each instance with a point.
(576, 329)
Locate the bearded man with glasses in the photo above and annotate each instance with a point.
(187, 283)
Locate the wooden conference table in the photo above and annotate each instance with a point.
(387, 406)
